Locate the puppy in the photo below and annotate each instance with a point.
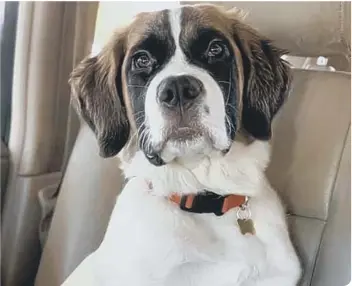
(186, 98)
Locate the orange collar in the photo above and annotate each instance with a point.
(208, 202)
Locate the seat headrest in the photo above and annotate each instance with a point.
(308, 29)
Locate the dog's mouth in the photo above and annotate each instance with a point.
(183, 134)
(182, 138)
(181, 143)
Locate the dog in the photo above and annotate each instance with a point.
(185, 98)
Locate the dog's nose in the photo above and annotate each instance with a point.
(179, 90)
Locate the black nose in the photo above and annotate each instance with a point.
(179, 90)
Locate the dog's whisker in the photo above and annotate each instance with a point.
(143, 135)
(138, 118)
(144, 138)
(223, 81)
(138, 112)
(134, 85)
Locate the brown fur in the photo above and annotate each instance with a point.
(263, 77)
(104, 106)
(137, 29)
(97, 98)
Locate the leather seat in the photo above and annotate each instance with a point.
(310, 169)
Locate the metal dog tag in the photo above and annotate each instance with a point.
(244, 220)
(246, 226)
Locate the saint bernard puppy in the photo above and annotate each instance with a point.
(185, 98)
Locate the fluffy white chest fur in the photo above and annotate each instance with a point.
(150, 241)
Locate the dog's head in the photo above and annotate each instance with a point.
(181, 82)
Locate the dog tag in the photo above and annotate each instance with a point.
(244, 220)
(246, 226)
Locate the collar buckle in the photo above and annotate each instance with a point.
(208, 202)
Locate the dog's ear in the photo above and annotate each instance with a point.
(97, 95)
(267, 80)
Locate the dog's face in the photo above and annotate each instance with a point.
(183, 82)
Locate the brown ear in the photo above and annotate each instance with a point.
(97, 96)
(267, 80)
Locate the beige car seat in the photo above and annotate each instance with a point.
(310, 165)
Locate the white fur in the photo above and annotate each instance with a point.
(214, 122)
(151, 242)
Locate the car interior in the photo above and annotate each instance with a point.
(57, 193)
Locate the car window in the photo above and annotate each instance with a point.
(8, 17)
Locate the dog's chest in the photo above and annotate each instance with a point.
(214, 252)
(174, 247)
(179, 248)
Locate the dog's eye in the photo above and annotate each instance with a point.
(143, 61)
(216, 51)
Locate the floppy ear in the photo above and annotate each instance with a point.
(267, 80)
(97, 96)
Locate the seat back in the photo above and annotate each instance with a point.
(87, 196)
(310, 169)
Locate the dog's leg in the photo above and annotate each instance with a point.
(284, 267)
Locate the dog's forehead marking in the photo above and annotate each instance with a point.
(174, 66)
(175, 24)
